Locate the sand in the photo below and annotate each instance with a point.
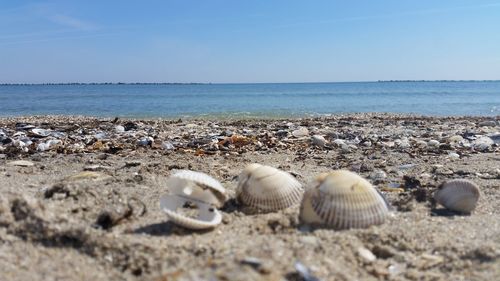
(88, 208)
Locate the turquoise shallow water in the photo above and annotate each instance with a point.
(252, 100)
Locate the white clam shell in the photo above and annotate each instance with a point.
(197, 185)
(458, 195)
(208, 216)
(267, 189)
(342, 200)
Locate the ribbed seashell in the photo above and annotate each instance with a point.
(267, 189)
(197, 185)
(342, 200)
(458, 195)
(208, 216)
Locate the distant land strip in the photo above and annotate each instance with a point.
(195, 83)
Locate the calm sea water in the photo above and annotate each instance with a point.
(247, 100)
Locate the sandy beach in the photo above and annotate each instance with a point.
(80, 198)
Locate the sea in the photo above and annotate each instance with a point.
(437, 98)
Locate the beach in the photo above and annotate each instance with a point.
(80, 198)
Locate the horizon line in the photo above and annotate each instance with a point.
(229, 83)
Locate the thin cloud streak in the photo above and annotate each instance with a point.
(57, 38)
(387, 16)
(72, 22)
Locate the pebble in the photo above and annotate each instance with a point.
(21, 163)
(396, 269)
(378, 175)
(94, 168)
(403, 143)
(406, 166)
(495, 137)
(300, 132)
(339, 142)
(167, 145)
(455, 138)
(309, 240)
(366, 254)
(145, 141)
(488, 123)
(318, 140)
(191, 126)
(482, 143)
(433, 143)
(454, 155)
(119, 129)
(100, 136)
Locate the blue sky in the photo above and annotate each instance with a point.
(248, 41)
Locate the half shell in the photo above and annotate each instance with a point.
(198, 186)
(342, 200)
(208, 216)
(267, 189)
(458, 195)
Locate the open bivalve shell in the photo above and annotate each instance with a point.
(197, 185)
(208, 216)
(193, 200)
(342, 200)
(458, 195)
(267, 189)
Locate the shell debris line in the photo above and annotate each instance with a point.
(342, 200)
(198, 194)
(458, 195)
(267, 189)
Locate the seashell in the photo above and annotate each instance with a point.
(40, 132)
(342, 200)
(193, 191)
(208, 216)
(267, 189)
(197, 185)
(458, 195)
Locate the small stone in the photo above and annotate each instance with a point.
(21, 163)
(146, 141)
(366, 143)
(495, 137)
(433, 143)
(94, 168)
(396, 269)
(455, 139)
(339, 142)
(119, 129)
(167, 145)
(366, 254)
(453, 155)
(406, 166)
(309, 240)
(488, 123)
(421, 143)
(132, 163)
(402, 143)
(191, 126)
(318, 140)
(88, 175)
(378, 175)
(300, 132)
(483, 143)
(100, 136)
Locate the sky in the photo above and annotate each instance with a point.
(231, 41)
